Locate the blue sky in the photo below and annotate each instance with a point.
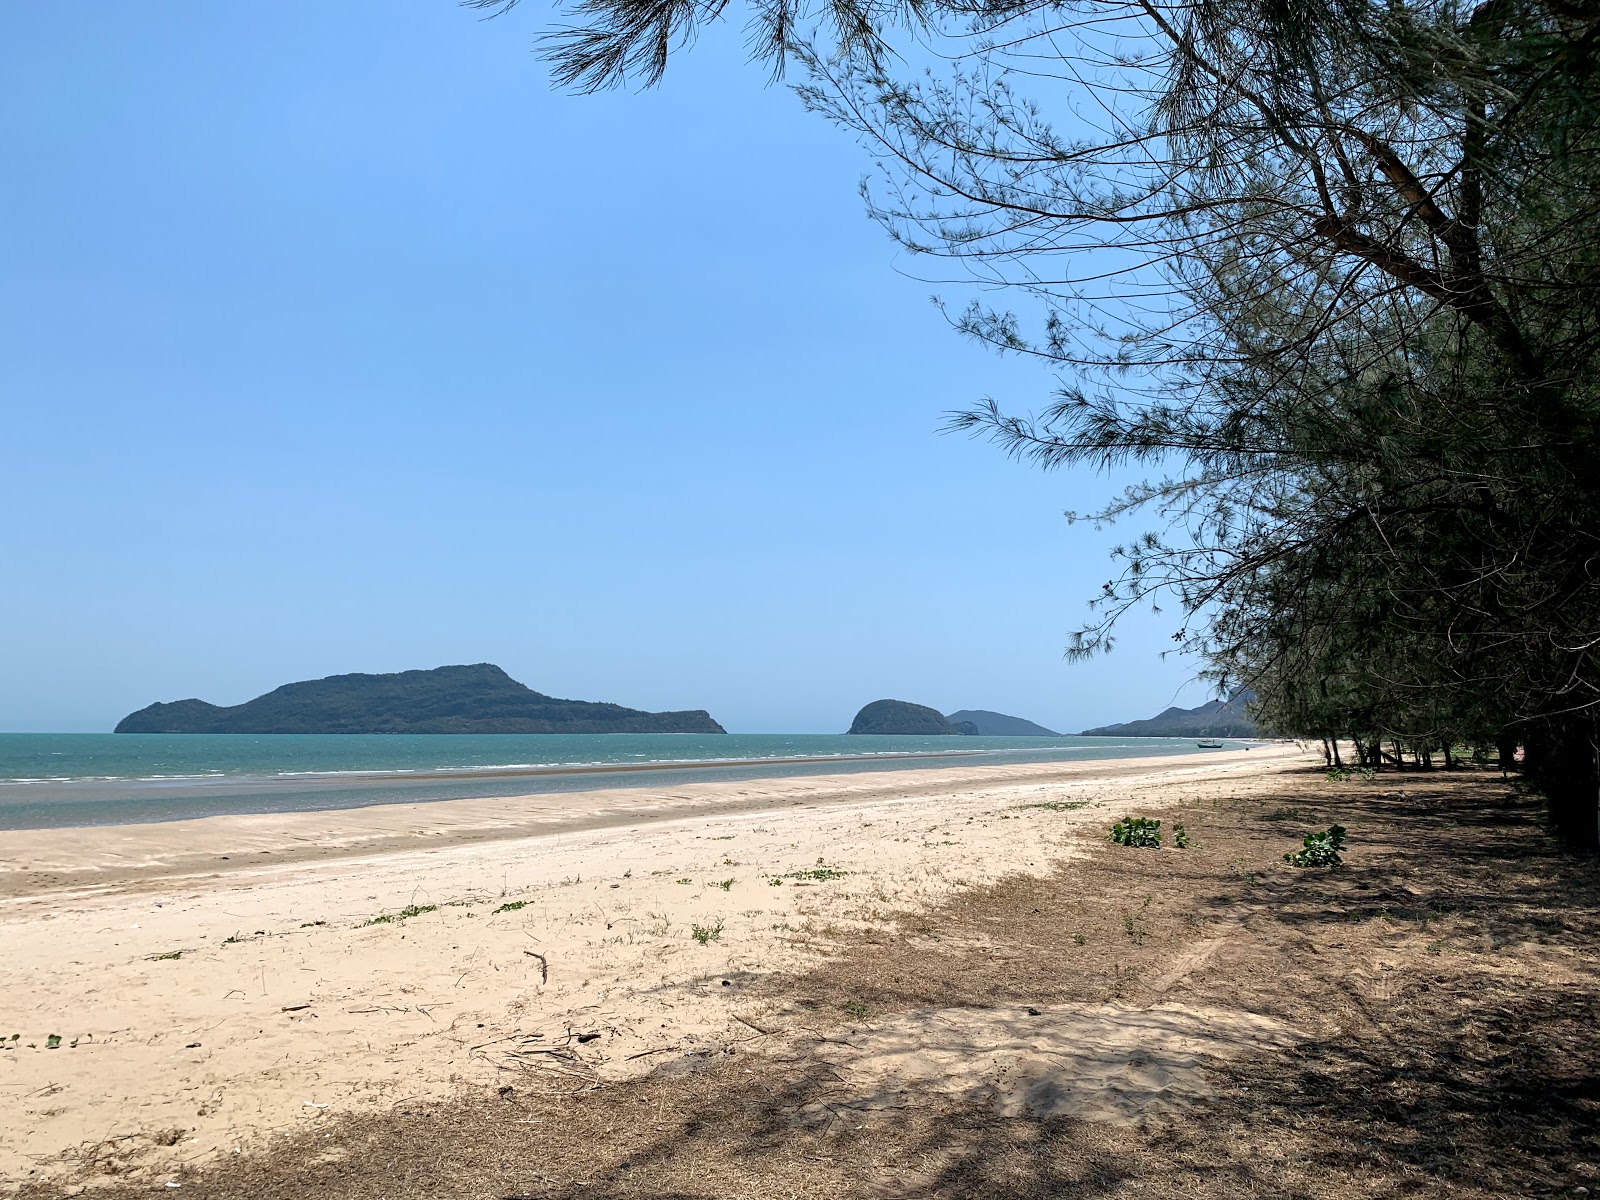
(335, 339)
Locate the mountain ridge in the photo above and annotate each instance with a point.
(994, 724)
(1213, 719)
(476, 698)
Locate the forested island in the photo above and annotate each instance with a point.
(460, 699)
(903, 717)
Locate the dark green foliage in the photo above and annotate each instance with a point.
(901, 717)
(1327, 272)
(1180, 836)
(465, 699)
(1137, 831)
(1319, 849)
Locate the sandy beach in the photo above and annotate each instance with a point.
(217, 983)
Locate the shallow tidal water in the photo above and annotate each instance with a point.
(69, 779)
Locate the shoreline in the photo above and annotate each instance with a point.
(403, 774)
(67, 802)
(138, 855)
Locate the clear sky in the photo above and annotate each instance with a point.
(333, 339)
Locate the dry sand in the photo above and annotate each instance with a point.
(220, 981)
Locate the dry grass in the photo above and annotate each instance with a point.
(1445, 978)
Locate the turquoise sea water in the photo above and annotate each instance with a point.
(67, 779)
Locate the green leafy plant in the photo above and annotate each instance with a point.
(855, 1008)
(1137, 831)
(706, 934)
(410, 910)
(817, 874)
(1180, 836)
(725, 884)
(1340, 774)
(511, 906)
(1319, 849)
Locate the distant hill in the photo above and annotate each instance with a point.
(898, 716)
(993, 724)
(1215, 719)
(468, 699)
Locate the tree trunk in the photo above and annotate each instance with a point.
(1505, 747)
(1563, 761)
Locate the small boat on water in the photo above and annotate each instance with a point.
(1209, 745)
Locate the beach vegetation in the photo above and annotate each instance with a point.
(405, 914)
(510, 906)
(1180, 836)
(1322, 274)
(1319, 849)
(1137, 831)
(706, 934)
(724, 884)
(166, 957)
(821, 873)
(1058, 805)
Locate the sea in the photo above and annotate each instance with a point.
(62, 780)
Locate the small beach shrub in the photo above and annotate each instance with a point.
(512, 906)
(410, 910)
(1180, 836)
(1340, 774)
(725, 884)
(1319, 849)
(1137, 831)
(816, 874)
(706, 934)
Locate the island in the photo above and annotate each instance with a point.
(993, 724)
(1228, 718)
(903, 717)
(460, 699)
